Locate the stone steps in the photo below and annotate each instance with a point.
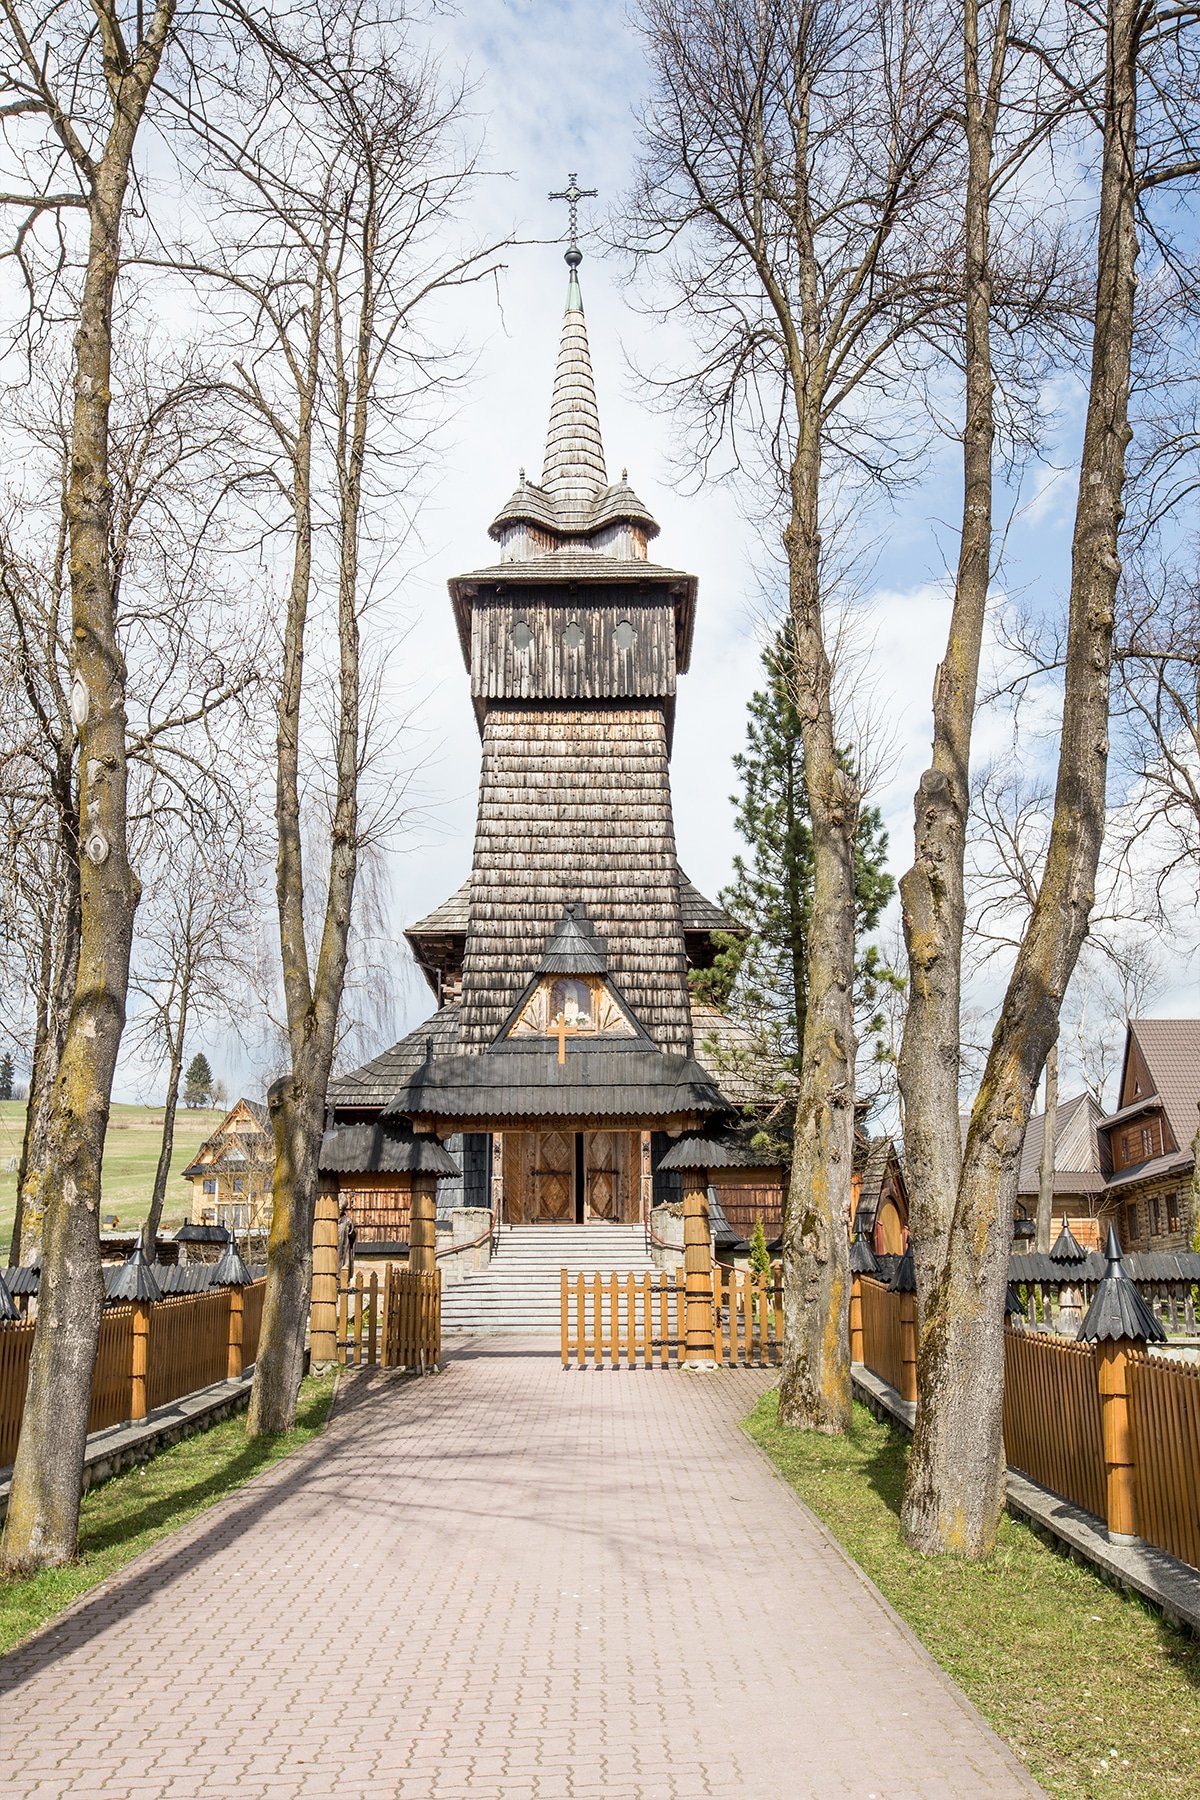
(520, 1290)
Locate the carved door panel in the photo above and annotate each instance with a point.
(554, 1177)
(610, 1169)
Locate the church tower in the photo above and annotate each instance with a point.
(565, 1043)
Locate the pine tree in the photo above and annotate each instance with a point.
(198, 1082)
(761, 976)
(6, 1077)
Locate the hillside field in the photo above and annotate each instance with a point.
(130, 1155)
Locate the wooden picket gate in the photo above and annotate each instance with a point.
(639, 1321)
(396, 1323)
(748, 1316)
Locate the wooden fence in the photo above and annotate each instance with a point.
(396, 1323)
(1054, 1424)
(881, 1332)
(1164, 1406)
(639, 1320)
(747, 1316)
(188, 1348)
(1052, 1416)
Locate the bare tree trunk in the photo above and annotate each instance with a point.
(42, 1523)
(298, 1102)
(932, 892)
(167, 1142)
(814, 1388)
(955, 1484)
(1045, 1204)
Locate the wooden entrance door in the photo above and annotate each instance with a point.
(611, 1168)
(539, 1177)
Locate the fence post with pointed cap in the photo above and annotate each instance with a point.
(135, 1281)
(904, 1283)
(232, 1273)
(862, 1262)
(1118, 1321)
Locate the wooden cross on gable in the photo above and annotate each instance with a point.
(573, 194)
(562, 1031)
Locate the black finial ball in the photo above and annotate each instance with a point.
(573, 257)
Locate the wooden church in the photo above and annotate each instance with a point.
(566, 1056)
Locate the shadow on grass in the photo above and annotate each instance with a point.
(256, 1454)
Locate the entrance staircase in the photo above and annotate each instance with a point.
(519, 1291)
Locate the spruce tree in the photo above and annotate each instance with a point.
(760, 976)
(198, 1082)
(6, 1077)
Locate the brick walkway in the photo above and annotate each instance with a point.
(506, 1582)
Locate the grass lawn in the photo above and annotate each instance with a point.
(1098, 1696)
(132, 1511)
(130, 1156)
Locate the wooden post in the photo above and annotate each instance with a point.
(699, 1349)
(322, 1318)
(139, 1362)
(422, 1230)
(237, 1318)
(908, 1346)
(1120, 1473)
(856, 1320)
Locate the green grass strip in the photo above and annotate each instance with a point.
(1097, 1694)
(126, 1515)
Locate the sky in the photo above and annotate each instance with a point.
(556, 88)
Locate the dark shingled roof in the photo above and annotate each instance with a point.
(1117, 1309)
(7, 1309)
(202, 1234)
(377, 1081)
(449, 917)
(862, 1258)
(695, 1151)
(606, 841)
(904, 1276)
(573, 947)
(382, 1149)
(700, 914)
(132, 1280)
(1066, 1248)
(231, 1271)
(619, 1079)
(21, 1280)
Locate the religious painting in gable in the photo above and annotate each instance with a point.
(586, 1006)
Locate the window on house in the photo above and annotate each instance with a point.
(238, 1184)
(1131, 1223)
(210, 1184)
(1126, 1146)
(1173, 1211)
(1147, 1140)
(1155, 1216)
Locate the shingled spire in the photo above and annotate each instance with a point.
(573, 472)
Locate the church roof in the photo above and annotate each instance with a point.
(620, 1079)
(382, 1148)
(376, 1081)
(700, 913)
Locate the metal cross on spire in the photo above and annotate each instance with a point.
(573, 194)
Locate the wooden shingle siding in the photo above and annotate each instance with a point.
(549, 669)
(575, 804)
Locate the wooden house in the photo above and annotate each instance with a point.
(1149, 1143)
(232, 1170)
(1079, 1172)
(566, 1052)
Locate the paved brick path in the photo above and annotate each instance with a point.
(505, 1582)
